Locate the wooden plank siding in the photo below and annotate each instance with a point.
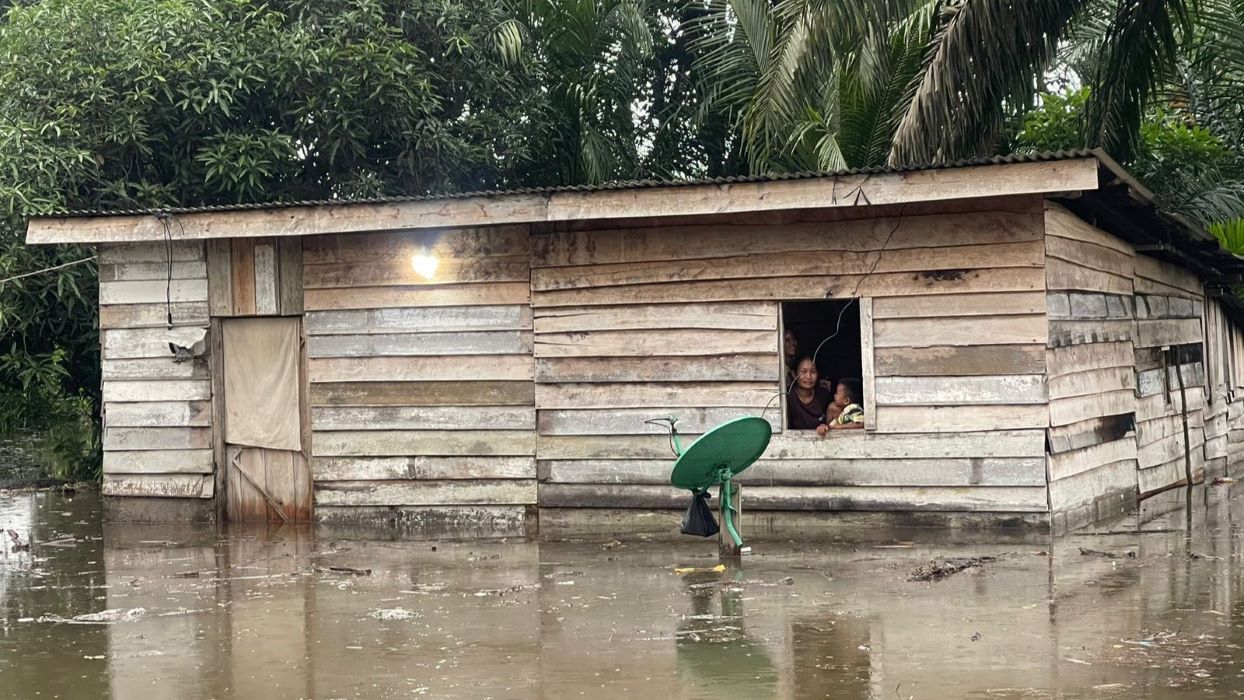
(1169, 306)
(1092, 462)
(421, 390)
(255, 277)
(1116, 415)
(1223, 412)
(1012, 361)
(156, 412)
(651, 318)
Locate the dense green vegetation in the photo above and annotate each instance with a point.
(124, 103)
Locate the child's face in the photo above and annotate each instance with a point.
(840, 396)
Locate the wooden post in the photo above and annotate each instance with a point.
(725, 545)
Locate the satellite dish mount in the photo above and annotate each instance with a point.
(716, 458)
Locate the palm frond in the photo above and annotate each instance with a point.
(1210, 68)
(875, 86)
(1216, 201)
(1230, 235)
(509, 39)
(1139, 49)
(768, 62)
(985, 54)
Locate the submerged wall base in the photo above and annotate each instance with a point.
(432, 522)
(137, 509)
(561, 523)
(1103, 507)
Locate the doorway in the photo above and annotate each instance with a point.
(266, 420)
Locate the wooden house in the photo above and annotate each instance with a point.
(1038, 345)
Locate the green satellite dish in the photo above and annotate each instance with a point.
(734, 445)
(717, 457)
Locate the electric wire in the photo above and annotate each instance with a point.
(855, 292)
(47, 269)
(852, 299)
(165, 218)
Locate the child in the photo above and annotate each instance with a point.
(850, 413)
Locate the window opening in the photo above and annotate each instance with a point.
(834, 328)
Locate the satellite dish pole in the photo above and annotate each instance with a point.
(714, 460)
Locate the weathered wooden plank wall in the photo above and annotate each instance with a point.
(255, 277)
(1223, 417)
(1118, 322)
(422, 400)
(1089, 362)
(1169, 306)
(640, 319)
(157, 412)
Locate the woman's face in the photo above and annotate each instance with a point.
(789, 344)
(807, 376)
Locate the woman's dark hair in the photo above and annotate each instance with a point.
(853, 389)
(799, 361)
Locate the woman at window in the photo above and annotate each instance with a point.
(809, 404)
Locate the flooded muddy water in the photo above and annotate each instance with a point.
(97, 611)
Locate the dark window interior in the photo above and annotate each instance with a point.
(814, 324)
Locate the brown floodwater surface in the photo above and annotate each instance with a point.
(144, 611)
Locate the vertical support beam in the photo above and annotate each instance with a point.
(216, 370)
(869, 378)
(725, 545)
(305, 492)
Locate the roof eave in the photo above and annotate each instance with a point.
(1078, 172)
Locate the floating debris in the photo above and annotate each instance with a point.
(681, 570)
(517, 588)
(349, 570)
(393, 614)
(940, 569)
(1108, 555)
(18, 545)
(103, 617)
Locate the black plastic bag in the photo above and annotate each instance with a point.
(699, 520)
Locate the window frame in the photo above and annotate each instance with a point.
(868, 377)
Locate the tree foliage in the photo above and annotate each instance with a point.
(112, 104)
(139, 103)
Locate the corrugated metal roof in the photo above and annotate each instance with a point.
(1044, 156)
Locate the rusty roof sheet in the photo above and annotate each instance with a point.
(1041, 157)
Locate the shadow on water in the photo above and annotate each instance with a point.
(1151, 605)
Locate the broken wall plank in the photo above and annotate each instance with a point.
(159, 485)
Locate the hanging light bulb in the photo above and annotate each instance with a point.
(425, 264)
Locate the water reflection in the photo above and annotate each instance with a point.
(290, 612)
(715, 652)
(67, 573)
